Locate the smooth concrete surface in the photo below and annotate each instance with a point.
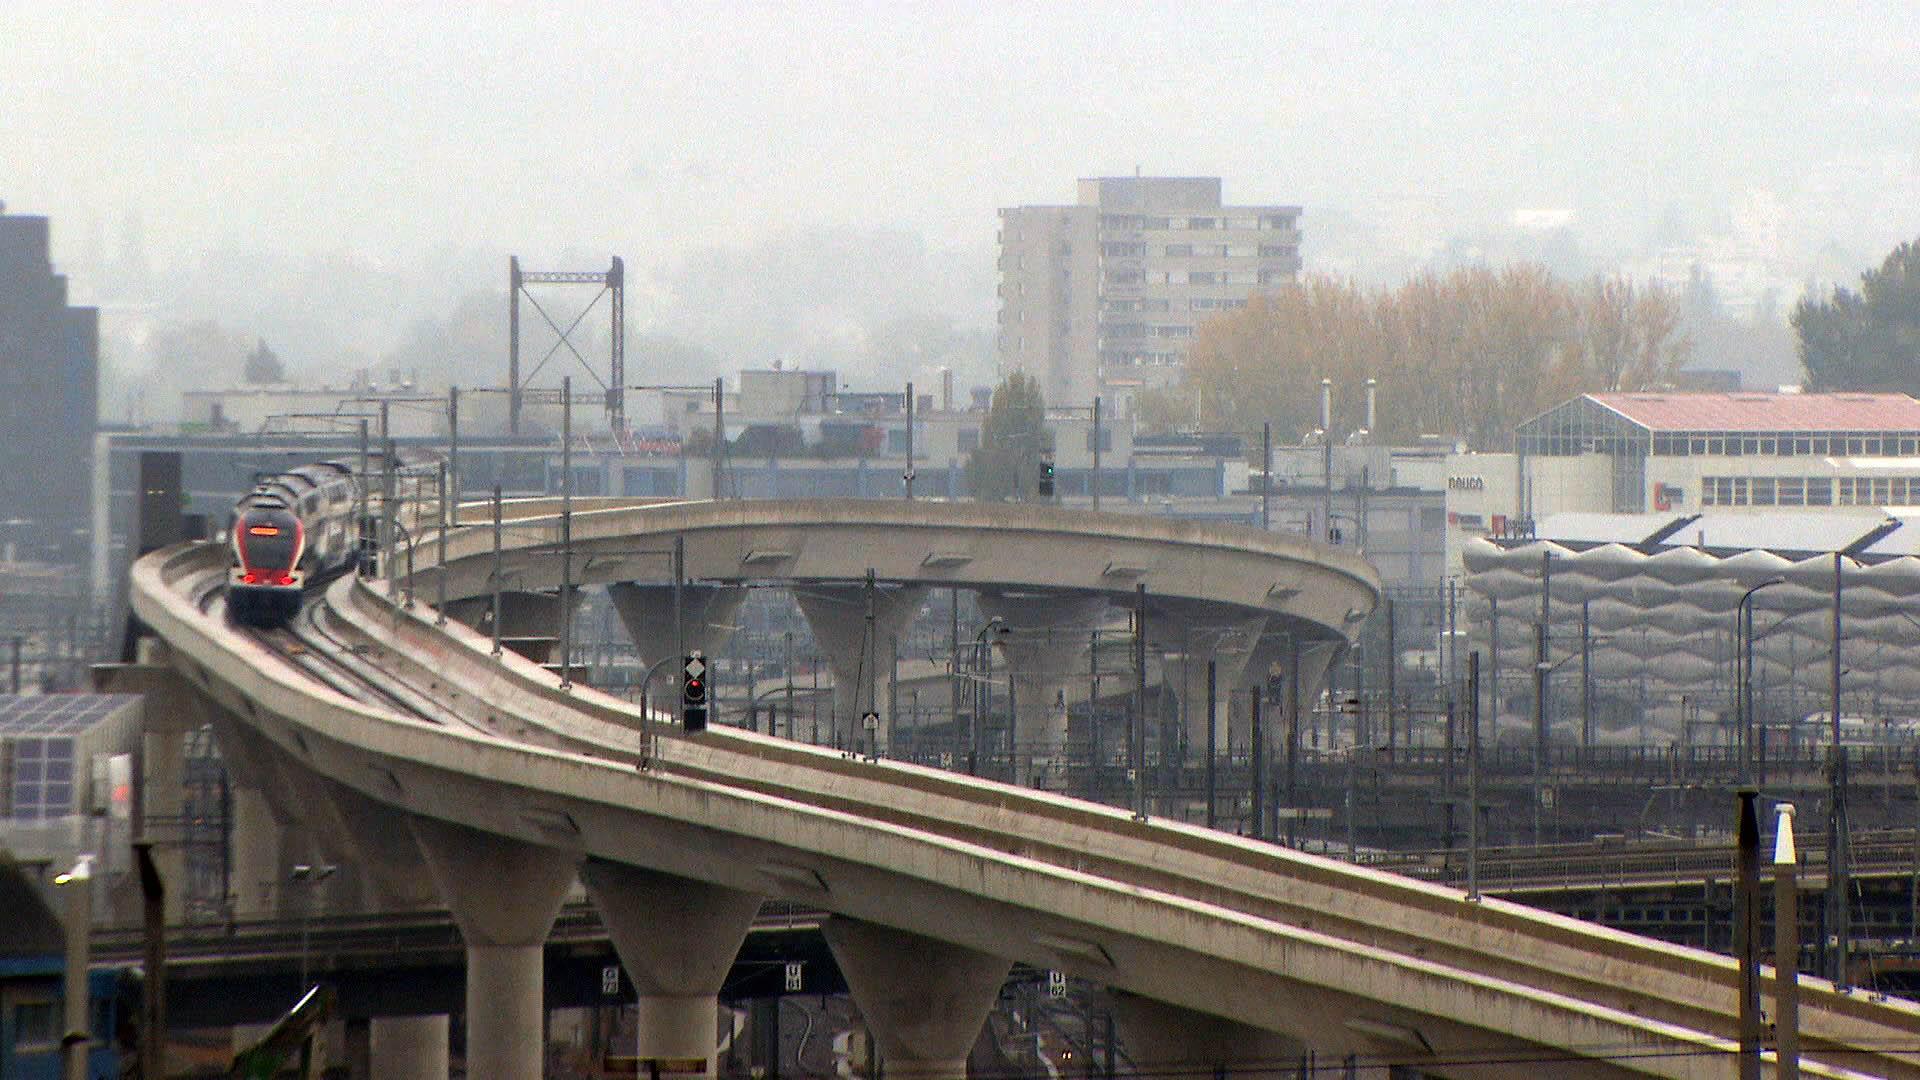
(504, 895)
(1180, 1044)
(646, 610)
(857, 649)
(924, 999)
(1190, 634)
(385, 852)
(1045, 645)
(255, 874)
(677, 938)
(409, 1047)
(506, 1011)
(1308, 946)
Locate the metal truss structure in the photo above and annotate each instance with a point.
(612, 282)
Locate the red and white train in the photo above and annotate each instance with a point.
(298, 528)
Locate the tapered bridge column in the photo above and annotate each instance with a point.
(1045, 645)
(857, 646)
(924, 999)
(1175, 1043)
(646, 610)
(677, 939)
(504, 895)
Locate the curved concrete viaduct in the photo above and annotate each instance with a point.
(1211, 592)
(509, 788)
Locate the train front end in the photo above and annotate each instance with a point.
(265, 582)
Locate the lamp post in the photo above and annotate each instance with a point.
(77, 883)
(309, 875)
(1743, 672)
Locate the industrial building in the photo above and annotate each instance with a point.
(49, 372)
(1104, 296)
(1661, 452)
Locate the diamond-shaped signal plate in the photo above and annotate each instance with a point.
(696, 667)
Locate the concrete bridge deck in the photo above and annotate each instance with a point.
(1329, 956)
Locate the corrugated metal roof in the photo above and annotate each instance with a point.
(1765, 413)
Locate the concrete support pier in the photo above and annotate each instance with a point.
(1045, 645)
(504, 895)
(924, 999)
(646, 609)
(1192, 635)
(1180, 1044)
(388, 857)
(677, 939)
(838, 615)
(409, 1047)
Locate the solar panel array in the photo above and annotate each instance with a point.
(36, 715)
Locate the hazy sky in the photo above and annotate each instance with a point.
(644, 128)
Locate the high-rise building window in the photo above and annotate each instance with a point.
(1177, 250)
(1203, 223)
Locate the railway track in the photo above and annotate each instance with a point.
(1553, 959)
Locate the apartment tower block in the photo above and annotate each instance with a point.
(1103, 297)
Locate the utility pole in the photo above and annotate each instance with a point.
(1096, 453)
(869, 661)
(1138, 749)
(908, 475)
(679, 617)
(1293, 735)
(1326, 460)
(953, 655)
(1393, 667)
(1257, 762)
(361, 526)
(1212, 741)
(1473, 775)
(495, 576)
(1541, 668)
(440, 569)
(566, 533)
(452, 497)
(1838, 915)
(719, 432)
(1266, 475)
(1746, 933)
(1586, 673)
(389, 494)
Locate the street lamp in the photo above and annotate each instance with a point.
(78, 884)
(1743, 671)
(309, 875)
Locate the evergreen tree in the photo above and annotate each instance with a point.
(1866, 340)
(1012, 439)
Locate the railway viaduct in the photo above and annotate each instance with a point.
(419, 746)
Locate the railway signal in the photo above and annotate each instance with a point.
(693, 694)
(1046, 479)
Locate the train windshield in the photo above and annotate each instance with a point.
(268, 539)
